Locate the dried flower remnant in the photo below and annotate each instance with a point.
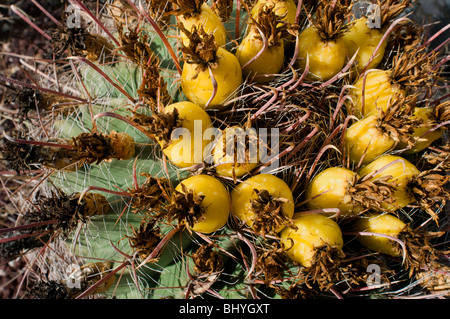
(146, 238)
(223, 9)
(269, 213)
(207, 260)
(95, 147)
(158, 125)
(185, 207)
(151, 195)
(430, 189)
(79, 42)
(272, 263)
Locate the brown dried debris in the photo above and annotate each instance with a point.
(325, 269)
(269, 213)
(399, 121)
(438, 158)
(187, 8)
(331, 19)
(371, 194)
(413, 67)
(79, 42)
(151, 195)
(390, 9)
(137, 49)
(435, 279)
(271, 25)
(93, 147)
(419, 251)
(19, 157)
(207, 259)
(158, 125)
(202, 48)
(223, 9)
(185, 207)
(430, 189)
(146, 238)
(272, 263)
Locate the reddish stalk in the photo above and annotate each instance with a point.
(161, 245)
(98, 283)
(169, 48)
(253, 252)
(34, 26)
(393, 238)
(21, 227)
(215, 86)
(264, 48)
(104, 75)
(122, 118)
(48, 14)
(35, 87)
(97, 21)
(38, 143)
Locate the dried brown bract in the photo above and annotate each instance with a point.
(223, 9)
(151, 195)
(187, 8)
(398, 120)
(269, 213)
(146, 238)
(79, 42)
(207, 259)
(419, 250)
(19, 157)
(325, 268)
(272, 263)
(93, 147)
(185, 207)
(331, 19)
(413, 67)
(435, 279)
(158, 125)
(271, 25)
(66, 210)
(202, 48)
(430, 189)
(370, 194)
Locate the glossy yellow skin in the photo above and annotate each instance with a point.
(286, 8)
(330, 187)
(216, 203)
(243, 193)
(424, 113)
(184, 152)
(326, 58)
(198, 87)
(361, 37)
(365, 138)
(402, 172)
(224, 162)
(313, 231)
(210, 22)
(378, 91)
(380, 223)
(269, 62)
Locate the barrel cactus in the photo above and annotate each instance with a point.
(130, 191)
